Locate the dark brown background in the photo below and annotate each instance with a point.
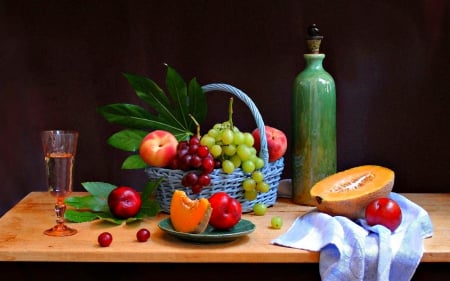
(60, 60)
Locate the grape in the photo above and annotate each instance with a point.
(183, 145)
(260, 209)
(190, 179)
(249, 184)
(259, 163)
(250, 195)
(253, 152)
(248, 139)
(217, 127)
(248, 166)
(208, 165)
(196, 161)
(227, 136)
(238, 138)
(185, 162)
(202, 151)
(244, 152)
(193, 148)
(197, 188)
(236, 160)
(229, 150)
(204, 179)
(208, 141)
(258, 176)
(194, 141)
(276, 222)
(214, 133)
(216, 150)
(262, 187)
(228, 166)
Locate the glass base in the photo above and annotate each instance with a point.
(60, 230)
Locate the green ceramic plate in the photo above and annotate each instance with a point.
(210, 235)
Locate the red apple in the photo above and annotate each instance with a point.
(226, 211)
(158, 148)
(276, 142)
(384, 211)
(124, 202)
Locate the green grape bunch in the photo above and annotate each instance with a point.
(235, 149)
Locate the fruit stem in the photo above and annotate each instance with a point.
(230, 112)
(196, 124)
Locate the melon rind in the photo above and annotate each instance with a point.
(352, 203)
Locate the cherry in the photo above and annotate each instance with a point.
(104, 239)
(143, 235)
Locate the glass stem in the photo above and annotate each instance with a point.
(60, 209)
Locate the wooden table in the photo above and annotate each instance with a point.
(21, 237)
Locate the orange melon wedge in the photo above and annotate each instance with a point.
(187, 215)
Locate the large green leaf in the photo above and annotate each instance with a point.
(94, 203)
(149, 92)
(178, 92)
(99, 189)
(169, 112)
(77, 216)
(128, 139)
(134, 116)
(197, 102)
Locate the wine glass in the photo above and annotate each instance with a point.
(59, 150)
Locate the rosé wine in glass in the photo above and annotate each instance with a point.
(59, 151)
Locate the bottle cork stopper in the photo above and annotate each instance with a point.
(313, 39)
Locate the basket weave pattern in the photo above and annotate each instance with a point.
(221, 181)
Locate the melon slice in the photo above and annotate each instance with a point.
(347, 193)
(190, 216)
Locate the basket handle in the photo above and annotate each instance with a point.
(264, 152)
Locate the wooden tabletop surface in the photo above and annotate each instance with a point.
(22, 238)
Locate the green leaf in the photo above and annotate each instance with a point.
(150, 187)
(110, 218)
(77, 216)
(129, 115)
(149, 208)
(197, 102)
(149, 92)
(94, 203)
(168, 112)
(99, 189)
(127, 140)
(178, 91)
(134, 162)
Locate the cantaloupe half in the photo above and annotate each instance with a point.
(347, 193)
(187, 215)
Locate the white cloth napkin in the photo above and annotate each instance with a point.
(352, 250)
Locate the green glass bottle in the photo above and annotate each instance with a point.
(314, 123)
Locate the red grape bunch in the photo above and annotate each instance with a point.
(197, 161)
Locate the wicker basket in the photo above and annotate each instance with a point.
(220, 181)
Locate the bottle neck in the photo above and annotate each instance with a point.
(314, 61)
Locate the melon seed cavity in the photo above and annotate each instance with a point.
(352, 183)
